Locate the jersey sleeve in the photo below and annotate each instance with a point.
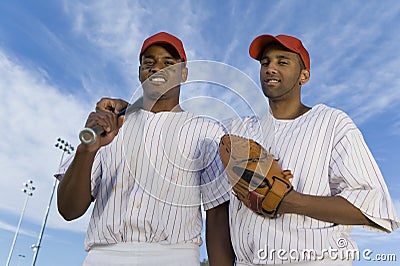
(64, 167)
(95, 174)
(214, 186)
(355, 176)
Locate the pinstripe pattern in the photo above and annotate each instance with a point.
(150, 181)
(327, 156)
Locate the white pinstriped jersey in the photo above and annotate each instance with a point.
(327, 156)
(149, 182)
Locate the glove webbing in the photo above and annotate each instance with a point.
(274, 197)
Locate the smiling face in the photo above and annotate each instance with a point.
(161, 74)
(282, 73)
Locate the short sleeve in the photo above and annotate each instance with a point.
(356, 177)
(214, 186)
(95, 174)
(64, 167)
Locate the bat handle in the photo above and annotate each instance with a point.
(88, 135)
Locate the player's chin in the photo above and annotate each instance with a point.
(268, 92)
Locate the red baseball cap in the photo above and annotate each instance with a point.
(258, 45)
(164, 38)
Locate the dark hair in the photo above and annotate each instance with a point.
(302, 66)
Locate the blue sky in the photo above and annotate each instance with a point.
(57, 58)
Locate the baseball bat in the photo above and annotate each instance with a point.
(88, 135)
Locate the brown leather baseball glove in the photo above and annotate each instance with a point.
(256, 178)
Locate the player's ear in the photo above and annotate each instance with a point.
(139, 74)
(184, 72)
(304, 76)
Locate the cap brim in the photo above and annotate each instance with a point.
(258, 44)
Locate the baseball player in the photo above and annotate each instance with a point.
(336, 181)
(148, 177)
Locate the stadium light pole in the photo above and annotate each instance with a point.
(66, 149)
(28, 189)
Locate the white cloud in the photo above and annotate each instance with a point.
(115, 31)
(12, 229)
(226, 89)
(34, 115)
(108, 25)
(120, 28)
(354, 66)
